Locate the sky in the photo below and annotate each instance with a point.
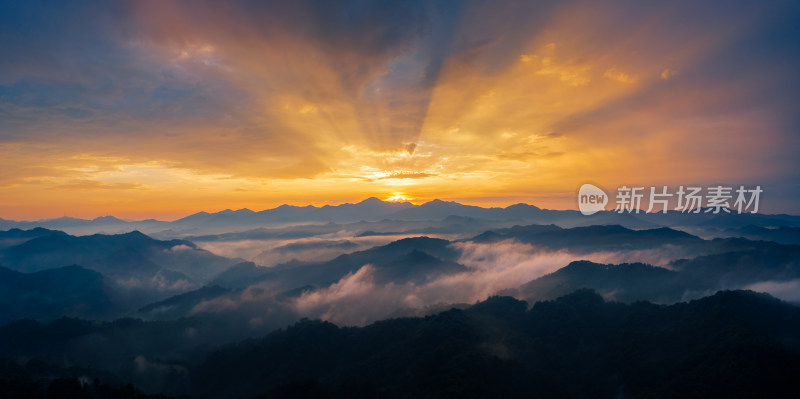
(162, 109)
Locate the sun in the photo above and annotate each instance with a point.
(398, 197)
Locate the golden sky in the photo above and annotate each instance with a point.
(166, 108)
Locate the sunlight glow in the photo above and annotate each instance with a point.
(398, 197)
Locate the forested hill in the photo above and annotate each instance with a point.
(732, 344)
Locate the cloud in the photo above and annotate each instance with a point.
(326, 98)
(180, 248)
(786, 290)
(618, 75)
(305, 250)
(357, 299)
(97, 185)
(407, 175)
(668, 74)
(160, 282)
(321, 248)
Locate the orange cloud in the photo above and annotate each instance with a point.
(205, 105)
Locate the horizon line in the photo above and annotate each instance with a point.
(372, 198)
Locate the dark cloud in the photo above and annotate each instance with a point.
(83, 63)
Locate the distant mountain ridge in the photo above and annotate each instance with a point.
(374, 209)
(126, 254)
(47, 274)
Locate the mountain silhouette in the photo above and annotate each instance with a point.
(50, 294)
(130, 254)
(729, 344)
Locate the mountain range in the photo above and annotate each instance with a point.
(373, 210)
(405, 307)
(730, 344)
(113, 275)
